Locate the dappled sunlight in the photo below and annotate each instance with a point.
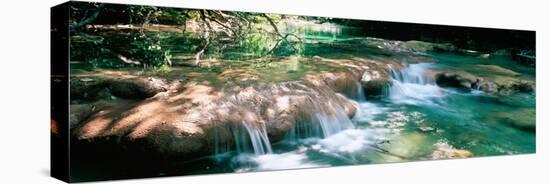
(208, 91)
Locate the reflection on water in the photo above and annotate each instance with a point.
(415, 120)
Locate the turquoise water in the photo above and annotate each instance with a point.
(414, 121)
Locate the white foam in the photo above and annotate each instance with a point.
(289, 160)
(349, 141)
(367, 111)
(411, 86)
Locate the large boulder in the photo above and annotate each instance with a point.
(100, 88)
(455, 79)
(137, 88)
(340, 82)
(87, 88)
(195, 119)
(488, 78)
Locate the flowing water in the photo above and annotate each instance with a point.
(414, 118)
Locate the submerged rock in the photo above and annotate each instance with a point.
(445, 151)
(524, 119)
(449, 153)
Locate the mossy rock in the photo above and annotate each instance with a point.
(524, 119)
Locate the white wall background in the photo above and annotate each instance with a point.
(24, 90)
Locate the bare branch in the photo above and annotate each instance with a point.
(145, 22)
(87, 20)
(206, 37)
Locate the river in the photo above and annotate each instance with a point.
(414, 119)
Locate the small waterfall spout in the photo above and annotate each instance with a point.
(333, 121)
(360, 96)
(411, 86)
(414, 73)
(258, 138)
(247, 138)
(327, 120)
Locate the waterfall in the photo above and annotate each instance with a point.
(411, 86)
(323, 123)
(247, 138)
(332, 122)
(258, 139)
(360, 96)
(414, 73)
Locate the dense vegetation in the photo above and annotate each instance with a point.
(206, 32)
(215, 34)
(158, 91)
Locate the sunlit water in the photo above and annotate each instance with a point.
(413, 118)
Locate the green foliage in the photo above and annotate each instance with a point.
(90, 52)
(149, 51)
(105, 51)
(138, 14)
(212, 33)
(257, 44)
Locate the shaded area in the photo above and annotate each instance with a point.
(165, 91)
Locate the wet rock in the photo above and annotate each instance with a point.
(491, 79)
(506, 86)
(496, 70)
(420, 46)
(374, 82)
(137, 88)
(281, 105)
(340, 82)
(524, 86)
(406, 146)
(445, 151)
(409, 47)
(449, 153)
(93, 89)
(86, 88)
(195, 119)
(455, 79)
(487, 86)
